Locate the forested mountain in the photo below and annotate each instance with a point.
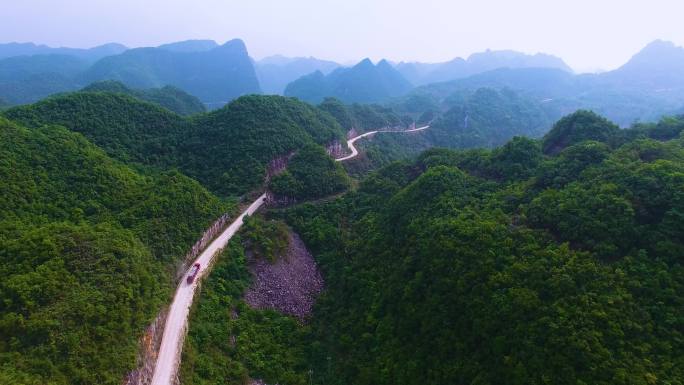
(487, 118)
(128, 129)
(311, 173)
(362, 83)
(276, 72)
(88, 54)
(169, 97)
(105, 228)
(649, 86)
(25, 79)
(216, 76)
(21, 67)
(424, 73)
(526, 252)
(239, 140)
(505, 265)
(88, 251)
(227, 150)
(362, 117)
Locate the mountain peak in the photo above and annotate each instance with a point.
(384, 64)
(659, 55)
(189, 46)
(364, 63)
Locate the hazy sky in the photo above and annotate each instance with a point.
(587, 34)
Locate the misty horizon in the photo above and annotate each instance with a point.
(346, 32)
(347, 63)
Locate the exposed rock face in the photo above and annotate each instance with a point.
(290, 285)
(277, 165)
(335, 149)
(149, 349)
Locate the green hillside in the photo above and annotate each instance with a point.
(169, 97)
(88, 252)
(506, 266)
(227, 150)
(128, 129)
(310, 174)
(487, 118)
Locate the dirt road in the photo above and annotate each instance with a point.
(355, 152)
(177, 319)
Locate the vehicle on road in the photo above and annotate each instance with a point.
(193, 273)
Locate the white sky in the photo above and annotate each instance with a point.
(587, 34)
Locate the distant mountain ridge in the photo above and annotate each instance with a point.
(658, 65)
(169, 97)
(216, 76)
(90, 54)
(424, 73)
(276, 72)
(362, 83)
(648, 86)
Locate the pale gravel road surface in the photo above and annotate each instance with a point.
(177, 319)
(355, 152)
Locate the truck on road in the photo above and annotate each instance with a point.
(193, 273)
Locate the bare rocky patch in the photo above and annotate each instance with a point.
(289, 285)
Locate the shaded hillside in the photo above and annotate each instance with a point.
(487, 118)
(88, 253)
(276, 72)
(169, 97)
(363, 83)
(216, 76)
(26, 79)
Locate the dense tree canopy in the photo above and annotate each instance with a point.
(578, 127)
(310, 174)
(88, 252)
(169, 97)
(227, 150)
(506, 266)
(127, 128)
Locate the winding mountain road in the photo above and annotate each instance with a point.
(171, 346)
(355, 152)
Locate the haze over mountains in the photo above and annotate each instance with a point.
(649, 85)
(424, 73)
(90, 54)
(276, 72)
(214, 74)
(363, 83)
(465, 222)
